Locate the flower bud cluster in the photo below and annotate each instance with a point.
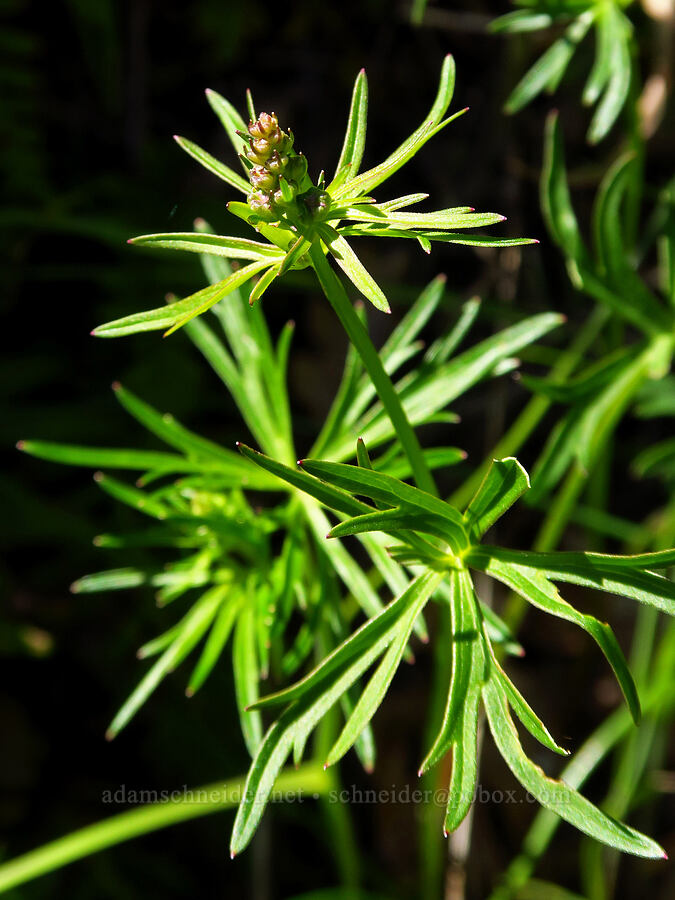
(277, 171)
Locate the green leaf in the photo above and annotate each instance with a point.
(103, 457)
(313, 697)
(213, 647)
(372, 696)
(446, 237)
(534, 585)
(165, 427)
(326, 494)
(365, 182)
(442, 219)
(370, 639)
(125, 493)
(459, 729)
(435, 458)
(467, 666)
(556, 795)
(214, 165)
(354, 269)
(555, 197)
(177, 314)
(215, 244)
(386, 489)
(618, 86)
(602, 65)
(230, 119)
(110, 580)
(391, 521)
(520, 20)
(263, 283)
(415, 319)
(192, 627)
(628, 576)
(613, 254)
(505, 481)
(524, 711)
(443, 347)
(550, 67)
(355, 135)
(401, 202)
(247, 676)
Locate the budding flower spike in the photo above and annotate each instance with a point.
(302, 221)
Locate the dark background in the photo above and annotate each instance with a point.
(91, 93)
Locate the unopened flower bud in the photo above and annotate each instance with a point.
(262, 179)
(254, 157)
(316, 201)
(261, 204)
(264, 126)
(296, 169)
(262, 147)
(277, 162)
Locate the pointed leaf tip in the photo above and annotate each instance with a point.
(116, 386)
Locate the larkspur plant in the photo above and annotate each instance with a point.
(421, 547)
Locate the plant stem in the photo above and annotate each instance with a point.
(309, 778)
(357, 334)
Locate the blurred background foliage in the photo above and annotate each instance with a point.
(92, 92)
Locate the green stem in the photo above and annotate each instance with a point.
(357, 334)
(337, 816)
(202, 801)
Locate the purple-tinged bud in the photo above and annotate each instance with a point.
(264, 126)
(262, 179)
(277, 162)
(316, 201)
(260, 203)
(262, 147)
